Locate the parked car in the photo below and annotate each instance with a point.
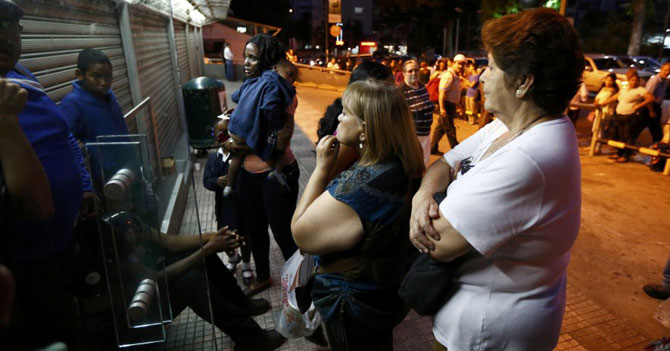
(597, 66)
(646, 63)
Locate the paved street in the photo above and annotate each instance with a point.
(623, 243)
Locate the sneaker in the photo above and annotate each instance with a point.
(247, 276)
(621, 159)
(281, 179)
(227, 191)
(271, 341)
(231, 267)
(657, 291)
(257, 307)
(257, 286)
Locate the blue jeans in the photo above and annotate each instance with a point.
(230, 71)
(357, 315)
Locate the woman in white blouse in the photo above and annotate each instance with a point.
(513, 194)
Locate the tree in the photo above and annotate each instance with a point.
(638, 8)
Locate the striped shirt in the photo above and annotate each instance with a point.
(421, 108)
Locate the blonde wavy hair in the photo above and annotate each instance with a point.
(389, 130)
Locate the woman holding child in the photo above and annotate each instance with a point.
(267, 186)
(358, 222)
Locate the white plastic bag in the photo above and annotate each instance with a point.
(289, 322)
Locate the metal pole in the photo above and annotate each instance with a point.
(325, 32)
(564, 3)
(444, 41)
(458, 25)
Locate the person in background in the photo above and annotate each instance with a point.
(608, 89)
(472, 91)
(450, 94)
(91, 108)
(215, 178)
(291, 56)
(419, 104)
(398, 73)
(656, 86)
(441, 66)
(228, 57)
(632, 100)
(332, 64)
(513, 194)
(424, 73)
(580, 97)
(39, 251)
(356, 222)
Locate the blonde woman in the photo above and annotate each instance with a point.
(358, 222)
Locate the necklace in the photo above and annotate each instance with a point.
(493, 148)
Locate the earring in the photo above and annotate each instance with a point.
(518, 93)
(360, 145)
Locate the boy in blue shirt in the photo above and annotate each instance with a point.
(91, 108)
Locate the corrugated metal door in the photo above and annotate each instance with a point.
(150, 40)
(182, 52)
(55, 31)
(194, 51)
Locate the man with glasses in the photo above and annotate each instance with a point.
(419, 105)
(38, 249)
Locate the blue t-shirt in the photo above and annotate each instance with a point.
(379, 194)
(49, 135)
(261, 104)
(90, 116)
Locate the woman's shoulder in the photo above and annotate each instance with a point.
(387, 177)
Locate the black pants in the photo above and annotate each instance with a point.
(44, 311)
(262, 202)
(646, 120)
(624, 132)
(190, 290)
(446, 126)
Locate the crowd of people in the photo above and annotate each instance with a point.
(371, 206)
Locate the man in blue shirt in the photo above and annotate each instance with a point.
(39, 251)
(91, 109)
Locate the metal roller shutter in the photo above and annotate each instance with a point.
(194, 51)
(182, 52)
(150, 40)
(55, 31)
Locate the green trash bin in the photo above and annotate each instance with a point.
(204, 101)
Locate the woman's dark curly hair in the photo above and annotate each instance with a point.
(270, 48)
(544, 44)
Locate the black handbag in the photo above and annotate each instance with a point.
(426, 285)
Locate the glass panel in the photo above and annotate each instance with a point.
(132, 246)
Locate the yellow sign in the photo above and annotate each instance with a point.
(335, 30)
(334, 11)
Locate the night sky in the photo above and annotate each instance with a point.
(274, 13)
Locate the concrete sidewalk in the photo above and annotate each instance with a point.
(587, 325)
